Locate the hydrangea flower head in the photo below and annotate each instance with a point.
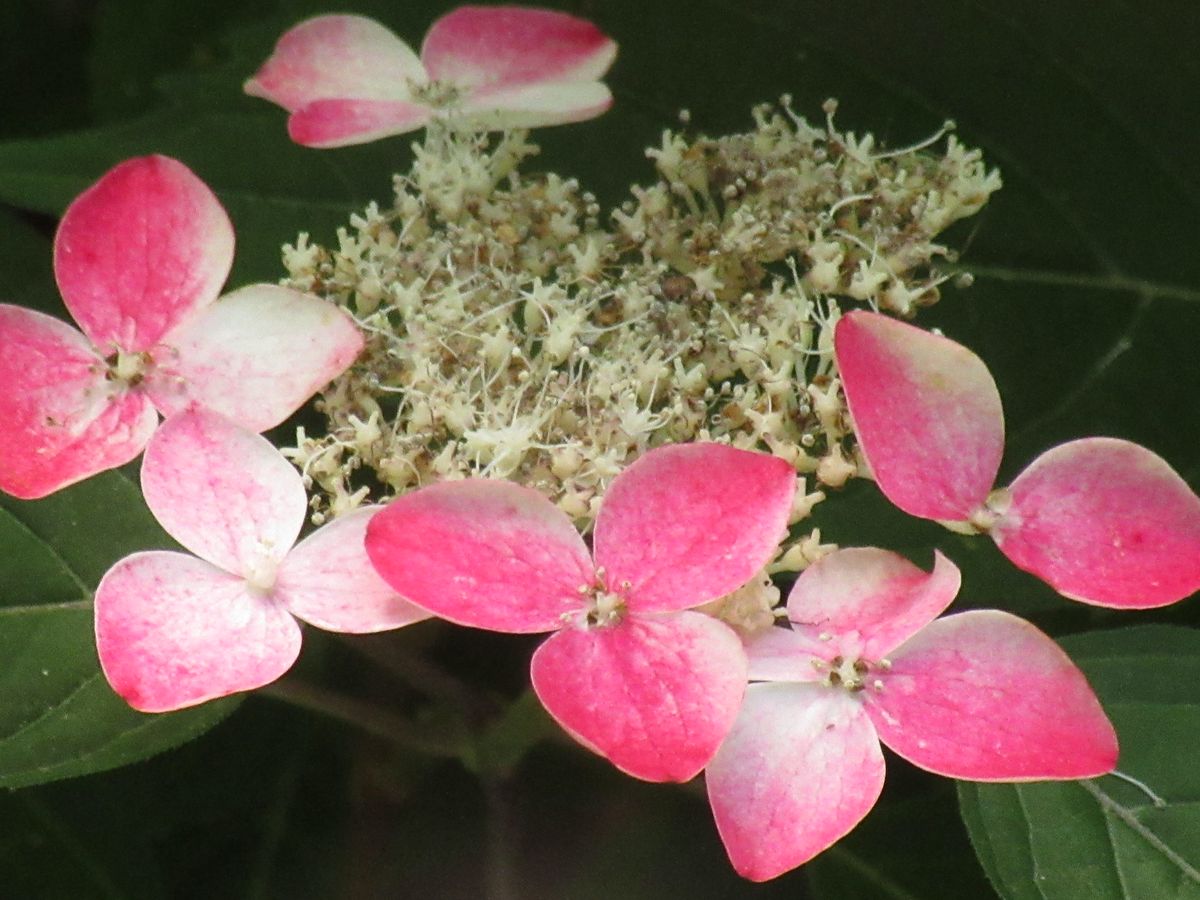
(173, 629)
(1101, 520)
(631, 672)
(347, 79)
(980, 695)
(140, 258)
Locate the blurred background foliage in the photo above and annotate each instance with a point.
(1086, 306)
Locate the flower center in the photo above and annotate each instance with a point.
(604, 607)
(852, 673)
(438, 94)
(127, 369)
(260, 571)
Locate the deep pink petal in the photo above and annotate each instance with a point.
(341, 123)
(864, 602)
(490, 554)
(926, 413)
(173, 631)
(480, 46)
(254, 356)
(328, 581)
(1106, 522)
(224, 493)
(535, 105)
(688, 523)
(337, 57)
(62, 419)
(800, 769)
(139, 251)
(655, 695)
(986, 696)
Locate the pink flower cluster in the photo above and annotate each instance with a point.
(347, 79)
(787, 724)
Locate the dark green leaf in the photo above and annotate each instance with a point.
(1107, 838)
(58, 717)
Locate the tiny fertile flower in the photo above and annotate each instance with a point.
(140, 258)
(630, 672)
(1101, 520)
(348, 80)
(981, 695)
(174, 630)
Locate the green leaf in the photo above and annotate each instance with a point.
(1108, 838)
(58, 716)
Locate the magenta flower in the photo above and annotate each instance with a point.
(140, 257)
(629, 671)
(1101, 520)
(348, 80)
(174, 630)
(980, 695)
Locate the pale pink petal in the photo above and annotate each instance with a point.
(535, 105)
(984, 695)
(254, 356)
(63, 420)
(490, 554)
(926, 413)
(688, 523)
(139, 251)
(328, 581)
(341, 123)
(800, 769)
(224, 493)
(781, 654)
(864, 602)
(173, 631)
(337, 57)
(480, 46)
(655, 695)
(1106, 522)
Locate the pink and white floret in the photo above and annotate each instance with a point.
(630, 671)
(980, 695)
(140, 258)
(173, 629)
(1101, 520)
(347, 79)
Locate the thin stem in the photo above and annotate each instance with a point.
(370, 718)
(1108, 804)
(501, 831)
(1141, 786)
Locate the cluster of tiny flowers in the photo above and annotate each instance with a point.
(511, 335)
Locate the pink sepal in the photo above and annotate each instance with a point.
(926, 413)
(223, 492)
(337, 56)
(801, 767)
(985, 696)
(781, 654)
(655, 695)
(864, 602)
(535, 105)
(688, 523)
(255, 356)
(481, 46)
(63, 420)
(489, 554)
(325, 124)
(139, 251)
(1106, 522)
(173, 631)
(328, 581)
